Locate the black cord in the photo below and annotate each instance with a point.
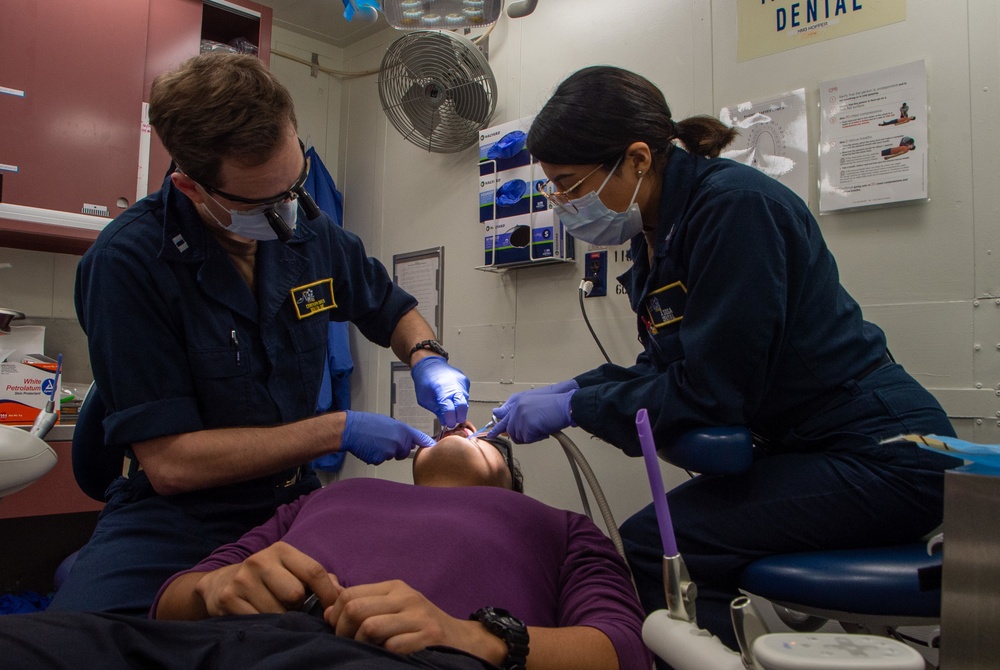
(601, 347)
(587, 321)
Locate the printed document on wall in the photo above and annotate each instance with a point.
(873, 138)
(772, 137)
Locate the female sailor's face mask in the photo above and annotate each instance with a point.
(590, 220)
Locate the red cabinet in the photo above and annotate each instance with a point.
(69, 123)
(73, 77)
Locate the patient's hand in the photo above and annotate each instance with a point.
(275, 579)
(399, 618)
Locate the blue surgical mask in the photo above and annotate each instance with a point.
(253, 224)
(595, 223)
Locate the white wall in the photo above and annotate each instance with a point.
(917, 269)
(317, 97)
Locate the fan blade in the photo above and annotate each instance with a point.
(472, 102)
(421, 115)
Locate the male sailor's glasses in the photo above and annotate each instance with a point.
(295, 192)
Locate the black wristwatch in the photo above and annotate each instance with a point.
(433, 345)
(508, 628)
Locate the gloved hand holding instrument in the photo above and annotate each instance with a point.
(530, 416)
(441, 389)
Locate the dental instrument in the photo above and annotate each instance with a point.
(47, 417)
(485, 429)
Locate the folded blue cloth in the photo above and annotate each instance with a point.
(24, 602)
(983, 454)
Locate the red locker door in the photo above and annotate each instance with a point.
(71, 84)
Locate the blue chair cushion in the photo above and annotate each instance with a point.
(720, 450)
(880, 581)
(95, 464)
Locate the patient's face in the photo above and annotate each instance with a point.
(461, 460)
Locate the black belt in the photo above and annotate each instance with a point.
(830, 399)
(885, 360)
(290, 478)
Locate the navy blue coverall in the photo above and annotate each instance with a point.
(179, 343)
(744, 322)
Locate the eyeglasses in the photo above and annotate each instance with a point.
(563, 198)
(505, 447)
(296, 190)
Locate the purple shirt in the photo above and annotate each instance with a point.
(463, 548)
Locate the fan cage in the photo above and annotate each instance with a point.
(437, 89)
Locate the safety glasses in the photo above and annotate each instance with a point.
(506, 450)
(563, 198)
(296, 190)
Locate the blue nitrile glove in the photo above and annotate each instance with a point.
(375, 438)
(514, 400)
(535, 417)
(441, 389)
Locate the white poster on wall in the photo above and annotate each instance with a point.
(873, 138)
(773, 136)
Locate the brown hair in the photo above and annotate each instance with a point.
(597, 112)
(219, 106)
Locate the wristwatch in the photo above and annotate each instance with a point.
(508, 628)
(433, 345)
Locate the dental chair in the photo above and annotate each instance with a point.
(866, 590)
(95, 464)
(24, 458)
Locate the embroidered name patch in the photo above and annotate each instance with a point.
(312, 298)
(665, 305)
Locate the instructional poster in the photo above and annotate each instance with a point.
(873, 138)
(772, 138)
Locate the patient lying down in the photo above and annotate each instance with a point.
(397, 570)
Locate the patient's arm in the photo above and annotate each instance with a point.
(275, 579)
(402, 620)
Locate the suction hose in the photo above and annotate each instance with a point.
(576, 458)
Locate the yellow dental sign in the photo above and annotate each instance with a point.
(770, 26)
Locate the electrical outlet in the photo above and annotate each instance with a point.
(596, 269)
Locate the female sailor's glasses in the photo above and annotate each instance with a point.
(563, 198)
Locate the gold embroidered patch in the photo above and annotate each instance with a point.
(312, 298)
(665, 305)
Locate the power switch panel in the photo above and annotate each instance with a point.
(597, 272)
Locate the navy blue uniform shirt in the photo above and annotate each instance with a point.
(742, 315)
(178, 341)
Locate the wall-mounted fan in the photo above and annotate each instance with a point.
(437, 89)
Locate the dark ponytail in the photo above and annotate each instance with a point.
(705, 135)
(597, 112)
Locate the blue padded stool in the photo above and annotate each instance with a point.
(879, 587)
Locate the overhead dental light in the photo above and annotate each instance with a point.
(365, 11)
(435, 14)
(441, 14)
(521, 8)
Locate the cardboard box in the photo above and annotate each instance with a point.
(24, 390)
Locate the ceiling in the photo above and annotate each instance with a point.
(322, 20)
